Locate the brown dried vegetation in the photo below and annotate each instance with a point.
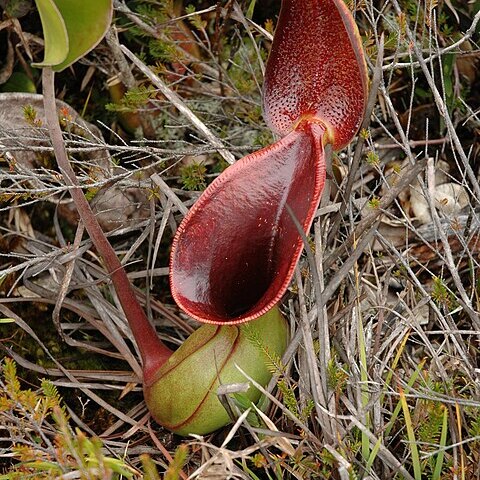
(381, 376)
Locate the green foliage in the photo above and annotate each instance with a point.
(220, 164)
(5, 320)
(290, 400)
(263, 138)
(44, 445)
(163, 50)
(429, 422)
(445, 29)
(12, 383)
(193, 176)
(441, 294)
(273, 361)
(337, 376)
(372, 158)
(195, 20)
(412, 442)
(448, 63)
(155, 12)
(390, 43)
(426, 432)
(179, 460)
(90, 193)
(16, 8)
(163, 47)
(288, 396)
(149, 468)
(25, 405)
(364, 133)
(374, 202)
(473, 423)
(133, 99)
(51, 393)
(30, 116)
(19, 82)
(284, 385)
(244, 72)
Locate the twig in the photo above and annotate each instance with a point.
(180, 105)
(318, 380)
(66, 282)
(372, 98)
(369, 219)
(153, 32)
(468, 34)
(442, 108)
(411, 143)
(465, 301)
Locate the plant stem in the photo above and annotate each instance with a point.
(152, 350)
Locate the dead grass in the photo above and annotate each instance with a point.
(381, 378)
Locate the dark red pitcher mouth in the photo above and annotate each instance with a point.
(235, 252)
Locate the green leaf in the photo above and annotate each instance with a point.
(448, 62)
(437, 473)
(417, 467)
(54, 33)
(19, 82)
(7, 320)
(85, 22)
(42, 466)
(250, 9)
